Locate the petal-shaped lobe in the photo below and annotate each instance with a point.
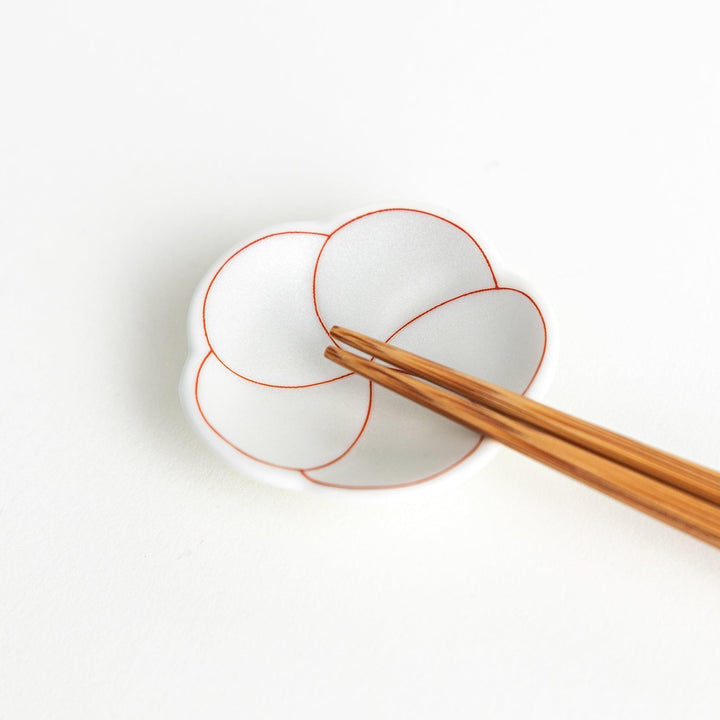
(259, 316)
(376, 272)
(290, 427)
(498, 335)
(403, 443)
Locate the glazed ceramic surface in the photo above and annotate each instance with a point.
(258, 389)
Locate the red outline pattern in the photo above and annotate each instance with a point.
(304, 471)
(476, 292)
(204, 320)
(375, 212)
(267, 462)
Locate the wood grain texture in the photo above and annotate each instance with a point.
(674, 505)
(689, 476)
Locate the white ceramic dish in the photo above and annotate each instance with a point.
(257, 387)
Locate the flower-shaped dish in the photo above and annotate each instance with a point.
(258, 389)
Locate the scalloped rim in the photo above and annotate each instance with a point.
(293, 480)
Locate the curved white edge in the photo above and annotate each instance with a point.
(293, 480)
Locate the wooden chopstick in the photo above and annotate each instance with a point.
(696, 479)
(672, 504)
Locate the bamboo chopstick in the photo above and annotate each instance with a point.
(518, 425)
(699, 480)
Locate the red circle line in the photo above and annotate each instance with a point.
(375, 212)
(400, 485)
(267, 462)
(204, 317)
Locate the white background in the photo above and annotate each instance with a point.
(139, 577)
